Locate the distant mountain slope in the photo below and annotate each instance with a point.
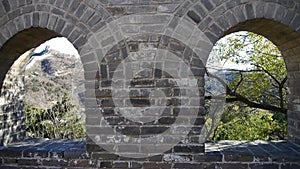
(50, 76)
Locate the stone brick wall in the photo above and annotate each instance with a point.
(112, 34)
(12, 107)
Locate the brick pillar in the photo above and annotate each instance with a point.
(12, 112)
(292, 53)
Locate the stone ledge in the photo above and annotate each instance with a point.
(44, 148)
(44, 153)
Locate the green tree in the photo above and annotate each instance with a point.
(59, 122)
(256, 94)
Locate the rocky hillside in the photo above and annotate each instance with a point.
(49, 76)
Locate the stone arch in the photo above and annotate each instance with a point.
(277, 21)
(26, 24)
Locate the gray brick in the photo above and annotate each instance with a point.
(152, 28)
(52, 1)
(59, 3)
(35, 19)
(80, 41)
(207, 4)
(259, 8)
(14, 14)
(232, 166)
(239, 13)
(27, 9)
(194, 16)
(229, 17)
(27, 20)
(74, 6)
(94, 20)
(213, 38)
(60, 25)
(88, 13)
(200, 10)
(279, 14)
(2, 39)
(130, 29)
(58, 11)
(74, 35)
(117, 11)
(67, 30)
(295, 22)
(2, 10)
(66, 4)
(71, 19)
(29, 1)
(264, 166)
(289, 166)
(270, 10)
(19, 23)
(44, 20)
(141, 9)
(21, 3)
(217, 2)
(83, 28)
(80, 10)
(218, 11)
(223, 22)
(52, 21)
(288, 17)
(106, 42)
(203, 24)
(183, 8)
(43, 7)
(6, 5)
(167, 8)
(156, 19)
(88, 58)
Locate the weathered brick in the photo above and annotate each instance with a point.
(194, 16)
(32, 162)
(6, 5)
(52, 22)
(156, 165)
(59, 25)
(44, 20)
(289, 166)
(35, 19)
(232, 166)
(141, 9)
(117, 11)
(264, 166)
(56, 162)
(74, 6)
(58, 11)
(238, 157)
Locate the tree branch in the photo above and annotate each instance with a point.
(268, 73)
(237, 97)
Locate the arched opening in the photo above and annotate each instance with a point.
(252, 70)
(288, 42)
(38, 86)
(20, 43)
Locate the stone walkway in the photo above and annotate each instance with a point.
(45, 149)
(241, 150)
(223, 155)
(258, 151)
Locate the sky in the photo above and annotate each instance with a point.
(64, 46)
(60, 44)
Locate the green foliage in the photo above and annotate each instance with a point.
(265, 67)
(59, 122)
(260, 79)
(245, 123)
